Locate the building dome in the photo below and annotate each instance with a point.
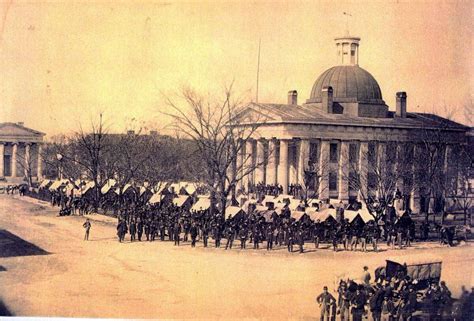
(350, 83)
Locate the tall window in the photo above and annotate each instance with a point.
(7, 165)
(333, 181)
(333, 153)
(313, 153)
(353, 153)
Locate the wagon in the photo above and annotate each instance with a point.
(424, 270)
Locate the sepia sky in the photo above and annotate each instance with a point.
(62, 63)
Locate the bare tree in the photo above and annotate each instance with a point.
(376, 175)
(314, 173)
(459, 182)
(220, 131)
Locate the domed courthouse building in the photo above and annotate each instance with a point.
(344, 119)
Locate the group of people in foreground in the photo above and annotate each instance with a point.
(399, 298)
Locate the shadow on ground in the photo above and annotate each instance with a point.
(12, 245)
(2, 269)
(4, 312)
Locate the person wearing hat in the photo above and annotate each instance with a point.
(387, 309)
(325, 301)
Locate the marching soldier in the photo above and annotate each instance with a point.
(133, 230)
(140, 229)
(193, 231)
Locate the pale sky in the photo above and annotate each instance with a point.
(63, 63)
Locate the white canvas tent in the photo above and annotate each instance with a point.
(56, 184)
(297, 214)
(233, 210)
(180, 200)
(325, 214)
(44, 183)
(155, 199)
(107, 186)
(202, 204)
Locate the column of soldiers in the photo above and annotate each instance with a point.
(177, 224)
(145, 222)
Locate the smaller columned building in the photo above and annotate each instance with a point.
(20, 153)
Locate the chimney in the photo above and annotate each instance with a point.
(401, 104)
(326, 100)
(292, 97)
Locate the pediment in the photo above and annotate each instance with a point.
(256, 113)
(14, 130)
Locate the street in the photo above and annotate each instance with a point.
(46, 269)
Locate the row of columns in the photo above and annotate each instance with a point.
(280, 169)
(14, 159)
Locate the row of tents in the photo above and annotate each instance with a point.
(184, 195)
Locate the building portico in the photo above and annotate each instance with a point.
(20, 153)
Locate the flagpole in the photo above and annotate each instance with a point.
(258, 67)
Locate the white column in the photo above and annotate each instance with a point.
(2, 152)
(238, 167)
(343, 174)
(14, 155)
(363, 168)
(324, 170)
(259, 162)
(247, 165)
(283, 166)
(26, 163)
(400, 168)
(292, 162)
(271, 165)
(415, 193)
(40, 164)
(303, 157)
(381, 161)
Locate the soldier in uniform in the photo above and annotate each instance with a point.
(147, 229)
(256, 236)
(140, 229)
(193, 231)
(269, 235)
(133, 230)
(176, 232)
(243, 234)
(290, 238)
(217, 235)
(325, 300)
(121, 230)
(229, 236)
(300, 237)
(205, 233)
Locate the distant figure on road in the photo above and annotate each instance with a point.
(87, 226)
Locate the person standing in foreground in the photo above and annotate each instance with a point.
(87, 226)
(325, 300)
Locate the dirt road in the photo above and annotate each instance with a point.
(69, 277)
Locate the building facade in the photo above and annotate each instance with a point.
(20, 153)
(342, 129)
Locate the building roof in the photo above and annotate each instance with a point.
(349, 84)
(18, 132)
(307, 114)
